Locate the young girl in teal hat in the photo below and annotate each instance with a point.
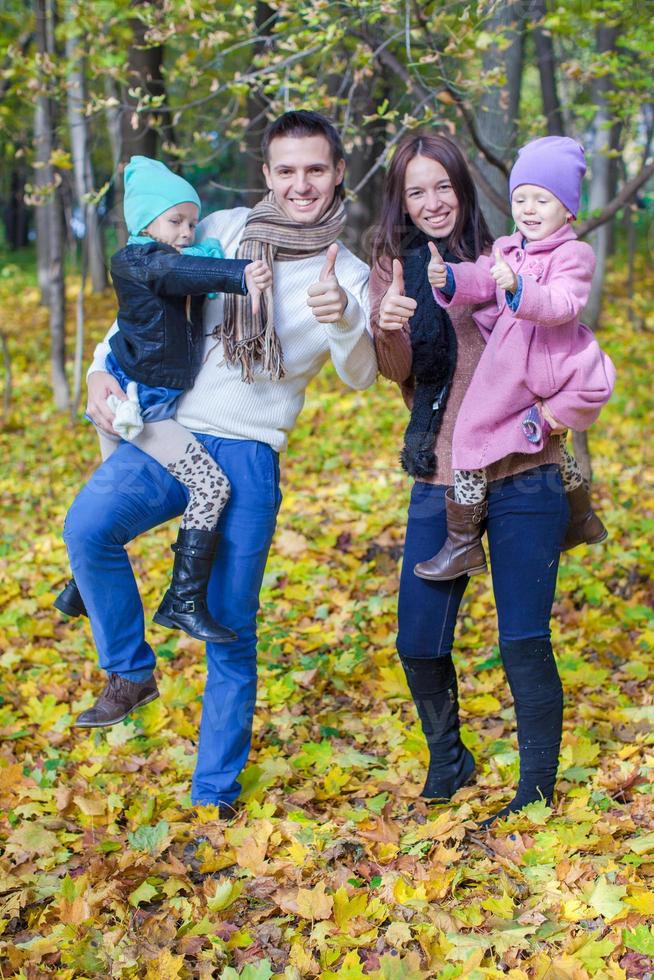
(161, 279)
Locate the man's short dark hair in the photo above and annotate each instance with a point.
(302, 122)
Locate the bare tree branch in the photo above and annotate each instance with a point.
(547, 70)
(464, 109)
(383, 157)
(500, 202)
(623, 197)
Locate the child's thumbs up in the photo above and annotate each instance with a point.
(503, 274)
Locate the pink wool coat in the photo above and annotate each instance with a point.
(539, 352)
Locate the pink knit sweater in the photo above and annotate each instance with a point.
(394, 358)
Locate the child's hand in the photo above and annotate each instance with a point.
(258, 278)
(503, 274)
(436, 270)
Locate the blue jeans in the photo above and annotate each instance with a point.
(527, 518)
(131, 493)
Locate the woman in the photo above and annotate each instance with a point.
(430, 203)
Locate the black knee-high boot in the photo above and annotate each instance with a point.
(69, 600)
(184, 605)
(538, 697)
(432, 682)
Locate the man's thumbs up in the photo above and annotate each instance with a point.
(436, 270)
(503, 274)
(326, 298)
(330, 263)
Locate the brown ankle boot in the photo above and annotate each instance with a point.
(118, 699)
(463, 553)
(585, 526)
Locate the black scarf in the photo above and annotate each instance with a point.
(434, 346)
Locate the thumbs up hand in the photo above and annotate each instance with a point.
(396, 309)
(326, 298)
(503, 274)
(436, 270)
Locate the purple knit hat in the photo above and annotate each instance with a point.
(556, 163)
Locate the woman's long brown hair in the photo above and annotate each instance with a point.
(470, 235)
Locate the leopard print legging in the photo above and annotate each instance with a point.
(470, 486)
(188, 461)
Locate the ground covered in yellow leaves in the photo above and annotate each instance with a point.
(325, 873)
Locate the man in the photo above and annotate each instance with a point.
(242, 406)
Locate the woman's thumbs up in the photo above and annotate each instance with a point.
(436, 270)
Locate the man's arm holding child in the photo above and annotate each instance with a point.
(100, 384)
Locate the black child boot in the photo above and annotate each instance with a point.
(184, 605)
(432, 682)
(69, 600)
(538, 698)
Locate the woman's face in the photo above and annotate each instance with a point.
(429, 199)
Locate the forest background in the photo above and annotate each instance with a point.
(104, 870)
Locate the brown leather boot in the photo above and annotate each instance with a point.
(585, 527)
(463, 553)
(119, 697)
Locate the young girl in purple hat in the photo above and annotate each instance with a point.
(542, 371)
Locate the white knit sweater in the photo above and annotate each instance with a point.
(219, 403)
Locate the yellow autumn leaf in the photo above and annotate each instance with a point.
(166, 966)
(314, 903)
(642, 902)
(226, 892)
(32, 838)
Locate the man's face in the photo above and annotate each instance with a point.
(302, 175)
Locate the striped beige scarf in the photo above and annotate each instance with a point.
(270, 235)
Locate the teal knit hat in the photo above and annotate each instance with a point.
(150, 189)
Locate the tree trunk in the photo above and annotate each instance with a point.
(92, 245)
(112, 115)
(363, 211)
(257, 105)
(601, 191)
(498, 107)
(41, 156)
(50, 225)
(15, 216)
(137, 135)
(601, 186)
(547, 70)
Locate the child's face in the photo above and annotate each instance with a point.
(176, 226)
(537, 212)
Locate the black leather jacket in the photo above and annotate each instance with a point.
(156, 343)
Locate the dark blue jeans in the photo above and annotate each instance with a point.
(527, 517)
(131, 493)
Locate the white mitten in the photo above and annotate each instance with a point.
(127, 414)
